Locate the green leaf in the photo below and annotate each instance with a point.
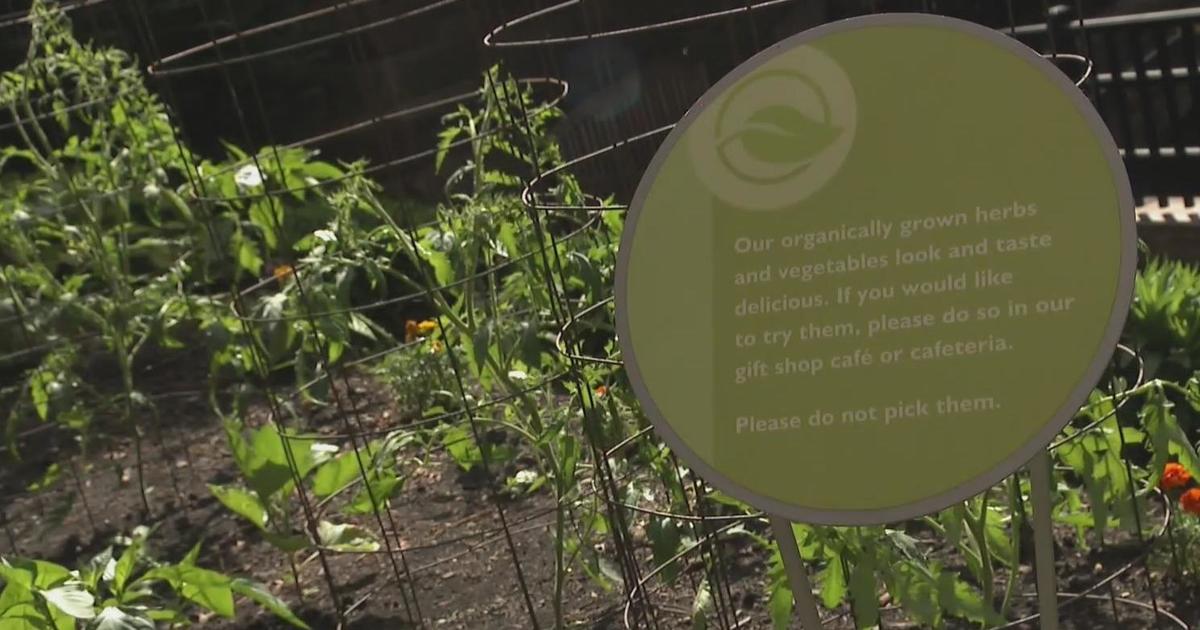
(362, 326)
(959, 599)
(915, 587)
(125, 566)
(241, 502)
(665, 540)
(192, 556)
(570, 453)
(335, 350)
(99, 568)
(33, 574)
(243, 456)
(481, 346)
(863, 591)
(779, 134)
(323, 171)
(260, 595)
(271, 471)
(1167, 437)
(460, 443)
(337, 474)
(49, 478)
(952, 520)
(72, 600)
(833, 582)
(287, 543)
(702, 604)
(781, 605)
(112, 618)
(383, 486)
(508, 238)
(167, 616)
(445, 139)
(609, 570)
(247, 255)
(177, 202)
(443, 271)
(38, 392)
(208, 589)
(159, 252)
(346, 538)
(267, 219)
(999, 543)
(24, 616)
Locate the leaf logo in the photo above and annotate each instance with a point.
(778, 133)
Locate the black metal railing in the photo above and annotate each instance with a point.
(1146, 85)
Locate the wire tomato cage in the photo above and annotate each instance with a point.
(599, 316)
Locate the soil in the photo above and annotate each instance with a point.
(455, 552)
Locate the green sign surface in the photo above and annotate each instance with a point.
(875, 268)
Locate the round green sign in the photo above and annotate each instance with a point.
(875, 269)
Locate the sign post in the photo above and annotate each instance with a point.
(793, 563)
(874, 271)
(1043, 540)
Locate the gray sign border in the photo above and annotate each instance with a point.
(1008, 465)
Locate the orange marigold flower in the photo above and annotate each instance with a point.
(1190, 501)
(601, 390)
(1174, 477)
(283, 272)
(427, 327)
(411, 331)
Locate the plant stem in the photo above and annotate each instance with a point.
(560, 569)
(87, 509)
(1014, 494)
(978, 525)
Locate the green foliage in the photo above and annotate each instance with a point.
(115, 234)
(123, 588)
(271, 466)
(1164, 320)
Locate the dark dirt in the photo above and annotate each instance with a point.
(455, 552)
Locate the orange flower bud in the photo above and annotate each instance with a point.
(1190, 501)
(411, 331)
(283, 272)
(1174, 477)
(601, 390)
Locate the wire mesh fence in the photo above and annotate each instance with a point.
(406, 412)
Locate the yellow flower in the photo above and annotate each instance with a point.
(436, 347)
(415, 330)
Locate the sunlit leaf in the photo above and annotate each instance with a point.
(346, 538)
(260, 595)
(241, 502)
(112, 618)
(72, 600)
